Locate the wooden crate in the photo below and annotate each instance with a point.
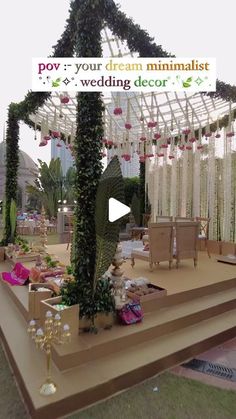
(35, 297)
(161, 293)
(70, 315)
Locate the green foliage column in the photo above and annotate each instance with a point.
(87, 156)
(12, 162)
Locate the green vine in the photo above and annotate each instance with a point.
(88, 164)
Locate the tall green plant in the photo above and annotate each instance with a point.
(13, 213)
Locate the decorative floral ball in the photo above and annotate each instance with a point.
(186, 131)
(188, 147)
(181, 147)
(128, 125)
(192, 140)
(208, 134)
(157, 136)
(171, 157)
(117, 111)
(143, 139)
(150, 155)
(164, 146)
(217, 135)
(64, 99)
(200, 147)
(56, 134)
(160, 154)
(230, 134)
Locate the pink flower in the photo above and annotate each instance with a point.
(157, 136)
(200, 147)
(186, 131)
(56, 134)
(152, 124)
(143, 139)
(217, 136)
(42, 143)
(47, 138)
(141, 159)
(128, 125)
(59, 145)
(230, 134)
(164, 146)
(109, 142)
(192, 140)
(171, 157)
(160, 154)
(181, 147)
(64, 99)
(117, 111)
(188, 147)
(208, 134)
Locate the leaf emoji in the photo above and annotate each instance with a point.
(189, 80)
(185, 84)
(58, 80)
(56, 83)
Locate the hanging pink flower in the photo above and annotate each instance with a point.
(171, 157)
(181, 147)
(189, 147)
(164, 146)
(186, 131)
(109, 142)
(200, 147)
(208, 134)
(143, 139)
(150, 155)
(160, 154)
(64, 99)
(42, 143)
(230, 134)
(141, 159)
(217, 135)
(117, 111)
(152, 124)
(47, 138)
(58, 144)
(157, 136)
(56, 134)
(192, 140)
(128, 125)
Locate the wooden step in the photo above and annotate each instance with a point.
(100, 378)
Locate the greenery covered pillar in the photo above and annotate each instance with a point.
(87, 156)
(12, 162)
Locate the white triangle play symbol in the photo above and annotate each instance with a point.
(117, 210)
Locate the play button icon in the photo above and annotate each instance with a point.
(117, 210)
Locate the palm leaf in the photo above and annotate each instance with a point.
(111, 185)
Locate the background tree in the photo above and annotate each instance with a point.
(50, 187)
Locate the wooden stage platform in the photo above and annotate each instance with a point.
(198, 313)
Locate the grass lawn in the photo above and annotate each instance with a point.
(176, 398)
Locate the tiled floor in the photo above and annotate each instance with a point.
(224, 354)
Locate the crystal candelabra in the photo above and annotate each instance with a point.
(52, 332)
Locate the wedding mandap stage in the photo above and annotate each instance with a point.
(185, 145)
